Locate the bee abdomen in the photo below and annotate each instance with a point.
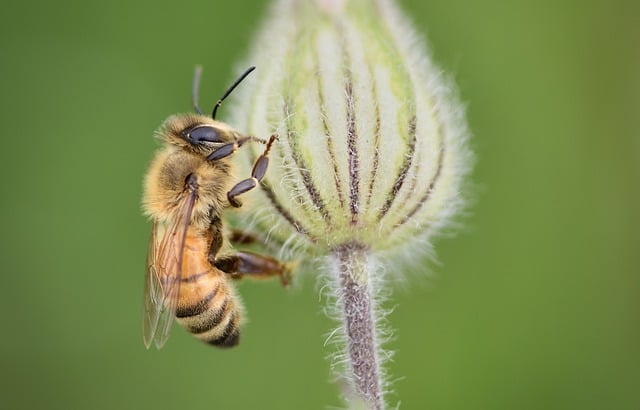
(214, 318)
(225, 336)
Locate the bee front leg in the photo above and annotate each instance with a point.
(231, 147)
(223, 152)
(254, 265)
(257, 173)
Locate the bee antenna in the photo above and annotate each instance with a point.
(196, 86)
(230, 90)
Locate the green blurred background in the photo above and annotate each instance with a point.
(535, 305)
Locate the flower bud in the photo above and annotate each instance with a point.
(372, 142)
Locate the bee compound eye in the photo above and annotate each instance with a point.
(202, 133)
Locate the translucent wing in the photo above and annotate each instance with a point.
(152, 291)
(164, 271)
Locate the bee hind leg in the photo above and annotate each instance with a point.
(254, 265)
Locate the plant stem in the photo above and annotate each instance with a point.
(355, 268)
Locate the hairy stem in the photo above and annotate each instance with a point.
(354, 270)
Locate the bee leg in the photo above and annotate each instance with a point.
(223, 151)
(257, 173)
(242, 237)
(231, 147)
(215, 233)
(254, 265)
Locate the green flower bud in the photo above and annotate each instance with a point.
(372, 141)
(371, 157)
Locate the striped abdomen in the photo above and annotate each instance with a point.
(207, 305)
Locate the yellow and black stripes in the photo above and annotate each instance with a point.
(208, 309)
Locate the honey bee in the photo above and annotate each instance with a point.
(187, 189)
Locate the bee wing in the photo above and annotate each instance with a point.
(152, 292)
(164, 271)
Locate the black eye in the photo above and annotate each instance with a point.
(202, 133)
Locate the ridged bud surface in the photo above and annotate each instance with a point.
(372, 145)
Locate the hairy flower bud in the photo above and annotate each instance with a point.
(372, 155)
(372, 144)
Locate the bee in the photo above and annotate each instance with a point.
(187, 189)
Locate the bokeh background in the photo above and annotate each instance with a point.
(534, 305)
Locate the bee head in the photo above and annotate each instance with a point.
(197, 133)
